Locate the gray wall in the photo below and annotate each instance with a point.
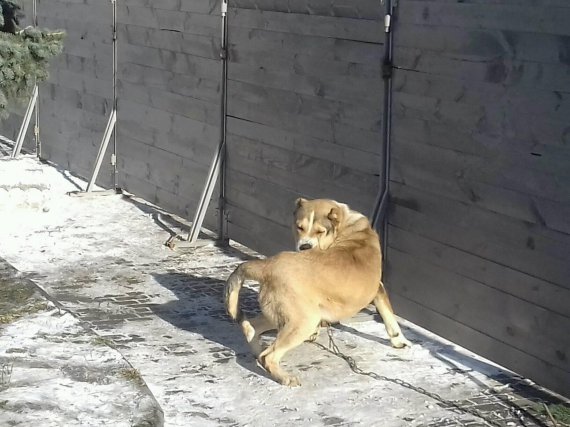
(479, 237)
(304, 111)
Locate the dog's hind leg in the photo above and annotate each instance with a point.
(253, 328)
(290, 336)
(247, 270)
(384, 307)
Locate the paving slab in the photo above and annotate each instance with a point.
(104, 260)
(56, 372)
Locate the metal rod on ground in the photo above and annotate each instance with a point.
(102, 148)
(26, 123)
(207, 191)
(216, 165)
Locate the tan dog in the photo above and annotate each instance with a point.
(334, 280)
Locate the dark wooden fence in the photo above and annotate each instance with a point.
(304, 111)
(479, 223)
(479, 237)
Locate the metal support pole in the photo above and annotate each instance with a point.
(222, 219)
(380, 214)
(115, 177)
(25, 124)
(102, 149)
(110, 129)
(37, 110)
(218, 162)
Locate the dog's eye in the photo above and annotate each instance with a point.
(300, 228)
(321, 231)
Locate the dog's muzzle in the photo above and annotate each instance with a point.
(305, 246)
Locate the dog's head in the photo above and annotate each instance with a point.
(316, 223)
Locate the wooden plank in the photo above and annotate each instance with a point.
(471, 240)
(464, 169)
(481, 43)
(356, 96)
(554, 3)
(522, 325)
(493, 226)
(300, 172)
(540, 371)
(513, 204)
(528, 153)
(194, 108)
(278, 101)
(185, 136)
(531, 289)
(302, 63)
(82, 82)
(89, 67)
(164, 59)
(266, 199)
(256, 232)
(518, 101)
(76, 100)
(365, 161)
(170, 20)
(364, 9)
(548, 76)
(330, 130)
(511, 17)
(191, 44)
(488, 119)
(289, 45)
(206, 89)
(164, 4)
(365, 30)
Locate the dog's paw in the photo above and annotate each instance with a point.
(291, 381)
(400, 341)
(248, 330)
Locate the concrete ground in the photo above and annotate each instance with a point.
(104, 260)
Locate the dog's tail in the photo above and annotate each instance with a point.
(248, 270)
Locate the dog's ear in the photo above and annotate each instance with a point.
(299, 202)
(335, 216)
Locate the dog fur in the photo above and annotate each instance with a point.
(334, 274)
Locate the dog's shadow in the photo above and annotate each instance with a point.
(200, 309)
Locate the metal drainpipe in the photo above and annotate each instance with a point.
(222, 223)
(380, 209)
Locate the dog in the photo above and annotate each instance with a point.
(334, 274)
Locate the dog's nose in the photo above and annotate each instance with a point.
(305, 246)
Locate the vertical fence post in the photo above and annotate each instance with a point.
(379, 217)
(111, 124)
(218, 162)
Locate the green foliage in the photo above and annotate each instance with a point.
(24, 58)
